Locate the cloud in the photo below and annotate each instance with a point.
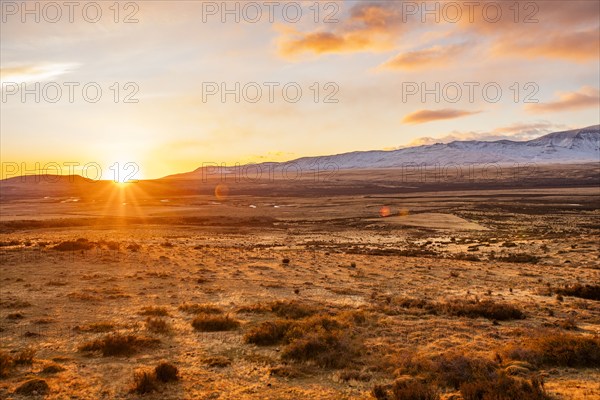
(586, 97)
(34, 72)
(424, 116)
(435, 56)
(368, 27)
(516, 132)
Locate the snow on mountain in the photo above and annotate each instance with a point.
(579, 145)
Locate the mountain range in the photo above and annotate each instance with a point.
(573, 146)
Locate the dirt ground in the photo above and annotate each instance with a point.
(75, 271)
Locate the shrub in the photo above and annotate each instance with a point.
(268, 333)
(52, 369)
(217, 361)
(292, 309)
(590, 292)
(166, 372)
(74, 245)
(144, 382)
(25, 357)
(407, 390)
(486, 309)
(558, 349)
(520, 258)
(158, 325)
(118, 345)
(33, 386)
(326, 348)
(214, 323)
(503, 387)
(156, 311)
(453, 369)
(200, 309)
(6, 364)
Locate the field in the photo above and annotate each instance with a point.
(455, 290)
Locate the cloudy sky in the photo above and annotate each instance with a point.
(372, 75)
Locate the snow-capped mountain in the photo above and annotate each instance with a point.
(579, 145)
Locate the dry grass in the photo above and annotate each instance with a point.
(80, 244)
(144, 382)
(200, 309)
(590, 292)
(214, 323)
(166, 372)
(33, 387)
(155, 311)
(217, 361)
(406, 389)
(118, 345)
(158, 325)
(557, 349)
(268, 333)
(504, 387)
(96, 327)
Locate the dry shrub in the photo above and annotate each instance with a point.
(214, 323)
(454, 369)
(33, 387)
(158, 325)
(590, 292)
(268, 333)
(558, 349)
(407, 389)
(200, 309)
(155, 311)
(75, 245)
(97, 327)
(485, 309)
(217, 361)
(6, 364)
(504, 387)
(119, 345)
(52, 369)
(25, 357)
(329, 349)
(520, 258)
(144, 382)
(166, 372)
(292, 309)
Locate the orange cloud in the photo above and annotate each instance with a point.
(432, 57)
(369, 27)
(424, 116)
(585, 97)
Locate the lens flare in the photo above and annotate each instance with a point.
(221, 191)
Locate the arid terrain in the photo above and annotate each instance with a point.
(362, 287)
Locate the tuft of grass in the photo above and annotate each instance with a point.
(80, 244)
(217, 361)
(504, 387)
(96, 327)
(144, 382)
(292, 309)
(25, 357)
(485, 309)
(214, 323)
(406, 389)
(557, 349)
(6, 364)
(200, 309)
(33, 387)
(118, 345)
(589, 292)
(166, 372)
(155, 311)
(158, 325)
(523, 258)
(52, 369)
(268, 333)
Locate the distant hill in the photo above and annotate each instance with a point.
(575, 146)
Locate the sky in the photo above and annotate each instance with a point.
(171, 85)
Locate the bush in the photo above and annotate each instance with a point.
(558, 349)
(6, 364)
(590, 292)
(155, 311)
(214, 323)
(292, 309)
(407, 390)
(166, 372)
(268, 333)
(157, 325)
(485, 309)
(33, 386)
(119, 345)
(520, 258)
(503, 387)
(144, 382)
(200, 309)
(217, 361)
(453, 369)
(74, 245)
